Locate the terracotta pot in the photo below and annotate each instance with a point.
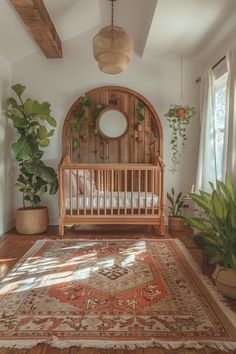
(31, 221)
(176, 223)
(225, 280)
(180, 113)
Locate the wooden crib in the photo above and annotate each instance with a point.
(117, 189)
(125, 194)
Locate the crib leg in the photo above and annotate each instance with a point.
(162, 226)
(61, 228)
(160, 229)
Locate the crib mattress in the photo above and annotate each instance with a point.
(112, 200)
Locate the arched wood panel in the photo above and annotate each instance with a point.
(141, 144)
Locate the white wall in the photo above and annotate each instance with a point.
(7, 174)
(62, 81)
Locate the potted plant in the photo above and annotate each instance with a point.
(179, 117)
(218, 232)
(30, 119)
(176, 220)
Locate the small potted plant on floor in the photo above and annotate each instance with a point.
(218, 232)
(30, 119)
(176, 220)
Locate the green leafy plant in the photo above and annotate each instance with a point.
(218, 223)
(78, 120)
(179, 117)
(30, 119)
(140, 112)
(95, 113)
(176, 207)
(97, 110)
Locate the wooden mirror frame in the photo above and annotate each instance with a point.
(107, 109)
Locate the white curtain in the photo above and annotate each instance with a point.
(230, 131)
(207, 158)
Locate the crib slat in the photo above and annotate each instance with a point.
(139, 191)
(91, 191)
(152, 179)
(85, 192)
(98, 193)
(118, 204)
(70, 189)
(145, 182)
(132, 192)
(77, 190)
(160, 196)
(105, 192)
(112, 186)
(125, 199)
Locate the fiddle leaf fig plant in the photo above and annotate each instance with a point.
(179, 117)
(33, 122)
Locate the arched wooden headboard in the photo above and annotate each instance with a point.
(142, 143)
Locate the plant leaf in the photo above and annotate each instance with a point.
(44, 142)
(18, 89)
(22, 150)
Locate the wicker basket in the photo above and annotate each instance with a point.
(31, 221)
(176, 223)
(112, 48)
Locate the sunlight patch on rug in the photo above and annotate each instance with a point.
(112, 294)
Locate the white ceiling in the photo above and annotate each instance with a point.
(188, 26)
(159, 27)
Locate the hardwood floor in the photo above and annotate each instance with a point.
(13, 246)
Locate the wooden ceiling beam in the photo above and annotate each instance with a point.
(36, 18)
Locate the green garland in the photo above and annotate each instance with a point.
(179, 117)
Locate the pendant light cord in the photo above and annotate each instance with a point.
(112, 14)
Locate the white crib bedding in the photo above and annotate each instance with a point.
(151, 200)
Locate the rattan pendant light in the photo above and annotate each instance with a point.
(112, 47)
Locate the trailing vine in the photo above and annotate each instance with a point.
(79, 118)
(95, 113)
(140, 112)
(179, 117)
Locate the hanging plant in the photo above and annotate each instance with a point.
(179, 116)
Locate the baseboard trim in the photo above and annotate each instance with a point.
(4, 227)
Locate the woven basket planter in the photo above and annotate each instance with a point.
(176, 223)
(225, 280)
(31, 221)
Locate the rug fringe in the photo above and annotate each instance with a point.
(208, 283)
(130, 345)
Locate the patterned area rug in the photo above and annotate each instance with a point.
(112, 294)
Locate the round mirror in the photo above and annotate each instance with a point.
(112, 123)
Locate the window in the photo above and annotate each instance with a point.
(219, 108)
